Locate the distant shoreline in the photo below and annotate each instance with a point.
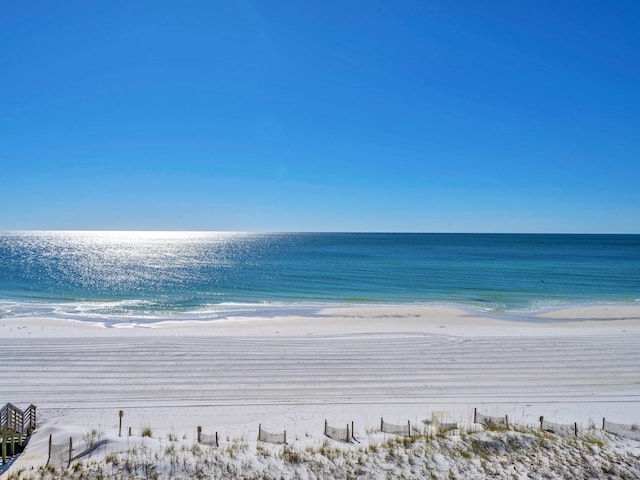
(359, 318)
(579, 312)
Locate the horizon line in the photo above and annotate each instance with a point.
(275, 232)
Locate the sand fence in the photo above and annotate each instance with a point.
(631, 432)
(502, 422)
(628, 431)
(268, 437)
(66, 452)
(564, 429)
(205, 439)
(490, 422)
(60, 453)
(441, 422)
(401, 430)
(339, 434)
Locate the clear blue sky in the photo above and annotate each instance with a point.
(255, 115)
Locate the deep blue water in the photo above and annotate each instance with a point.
(193, 275)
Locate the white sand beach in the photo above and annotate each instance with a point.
(346, 364)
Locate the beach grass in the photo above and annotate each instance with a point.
(522, 452)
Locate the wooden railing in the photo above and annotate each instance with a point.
(16, 420)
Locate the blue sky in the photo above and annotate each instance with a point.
(456, 116)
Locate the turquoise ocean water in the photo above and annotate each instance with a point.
(151, 275)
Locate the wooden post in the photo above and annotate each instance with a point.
(352, 431)
(575, 426)
(285, 437)
(347, 440)
(541, 421)
(259, 430)
(32, 419)
(120, 414)
(129, 431)
(381, 424)
(603, 423)
(475, 415)
(50, 439)
(409, 427)
(217, 440)
(199, 434)
(506, 419)
(70, 449)
(325, 427)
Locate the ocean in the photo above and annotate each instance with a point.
(148, 276)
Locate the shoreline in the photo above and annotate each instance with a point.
(342, 319)
(15, 309)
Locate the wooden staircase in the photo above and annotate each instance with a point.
(15, 427)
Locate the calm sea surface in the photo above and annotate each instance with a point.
(150, 275)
